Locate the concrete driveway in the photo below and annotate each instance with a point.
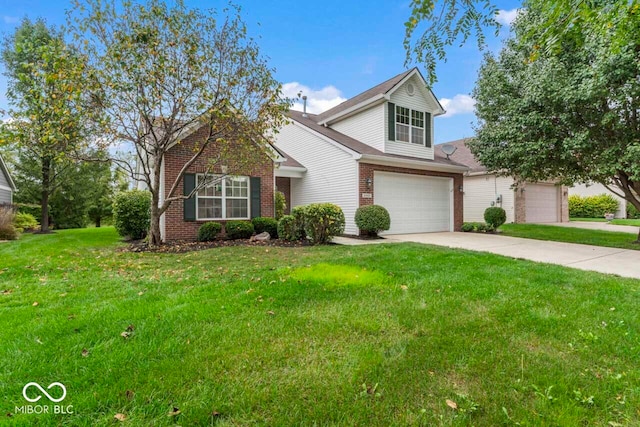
(623, 262)
(597, 226)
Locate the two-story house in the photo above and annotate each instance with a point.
(376, 148)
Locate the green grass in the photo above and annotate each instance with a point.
(375, 335)
(618, 221)
(612, 239)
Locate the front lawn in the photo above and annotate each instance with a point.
(617, 221)
(393, 334)
(584, 236)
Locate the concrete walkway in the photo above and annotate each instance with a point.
(623, 262)
(597, 226)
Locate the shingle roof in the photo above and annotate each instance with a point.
(353, 144)
(291, 162)
(382, 88)
(463, 155)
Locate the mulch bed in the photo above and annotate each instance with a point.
(178, 247)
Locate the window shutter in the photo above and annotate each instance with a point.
(392, 121)
(189, 183)
(254, 184)
(427, 129)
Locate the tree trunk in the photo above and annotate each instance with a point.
(155, 239)
(44, 199)
(97, 222)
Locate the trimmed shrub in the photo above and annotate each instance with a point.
(132, 213)
(280, 204)
(7, 230)
(322, 221)
(299, 215)
(288, 229)
(468, 226)
(31, 209)
(24, 221)
(632, 212)
(209, 231)
(592, 206)
(238, 229)
(264, 223)
(481, 227)
(495, 217)
(372, 219)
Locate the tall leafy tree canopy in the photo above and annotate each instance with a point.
(166, 70)
(570, 114)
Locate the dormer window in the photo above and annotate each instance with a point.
(409, 125)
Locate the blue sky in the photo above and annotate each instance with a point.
(331, 50)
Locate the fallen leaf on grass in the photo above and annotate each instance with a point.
(7, 291)
(85, 352)
(129, 394)
(131, 328)
(140, 293)
(451, 404)
(271, 313)
(125, 334)
(404, 287)
(174, 413)
(216, 414)
(120, 417)
(35, 304)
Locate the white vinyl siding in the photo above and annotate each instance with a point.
(416, 204)
(4, 182)
(596, 189)
(367, 127)
(420, 102)
(542, 203)
(481, 190)
(331, 172)
(5, 195)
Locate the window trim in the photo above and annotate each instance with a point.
(223, 197)
(411, 127)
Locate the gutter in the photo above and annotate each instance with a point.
(413, 164)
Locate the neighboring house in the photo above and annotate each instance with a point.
(538, 202)
(7, 186)
(596, 189)
(376, 148)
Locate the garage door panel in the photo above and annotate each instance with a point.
(541, 203)
(416, 204)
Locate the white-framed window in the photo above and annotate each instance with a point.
(222, 198)
(410, 125)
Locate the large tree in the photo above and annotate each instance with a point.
(570, 114)
(50, 105)
(164, 71)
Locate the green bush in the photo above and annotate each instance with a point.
(262, 224)
(132, 213)
(322, 221)
(592, 206)
(24, 221)
(481, 227)
(209, 231)
(238, 229)
(298, 214)
(495, 217)
(7, 229)
(468, 226)
(280, 204)
(288, 229)
(372, 219)
(632, 212)
(31, 209)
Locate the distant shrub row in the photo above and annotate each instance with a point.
(592, 206)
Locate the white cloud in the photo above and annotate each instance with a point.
(459, 104)
(506, 17)
(10, 19)
(317, 100)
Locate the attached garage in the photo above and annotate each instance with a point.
(416, 204)
(542, 203)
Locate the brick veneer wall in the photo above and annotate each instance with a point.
(176, 228)
(283, 184)
(367, 170)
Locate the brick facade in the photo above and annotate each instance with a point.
(176, 228)
(367, 170)
(283, 184)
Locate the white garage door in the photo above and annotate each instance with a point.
(416, 204)
(541, 203)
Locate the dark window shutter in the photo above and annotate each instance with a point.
(255, 196)
(427, 129)
(189, 181)
(392, 121)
